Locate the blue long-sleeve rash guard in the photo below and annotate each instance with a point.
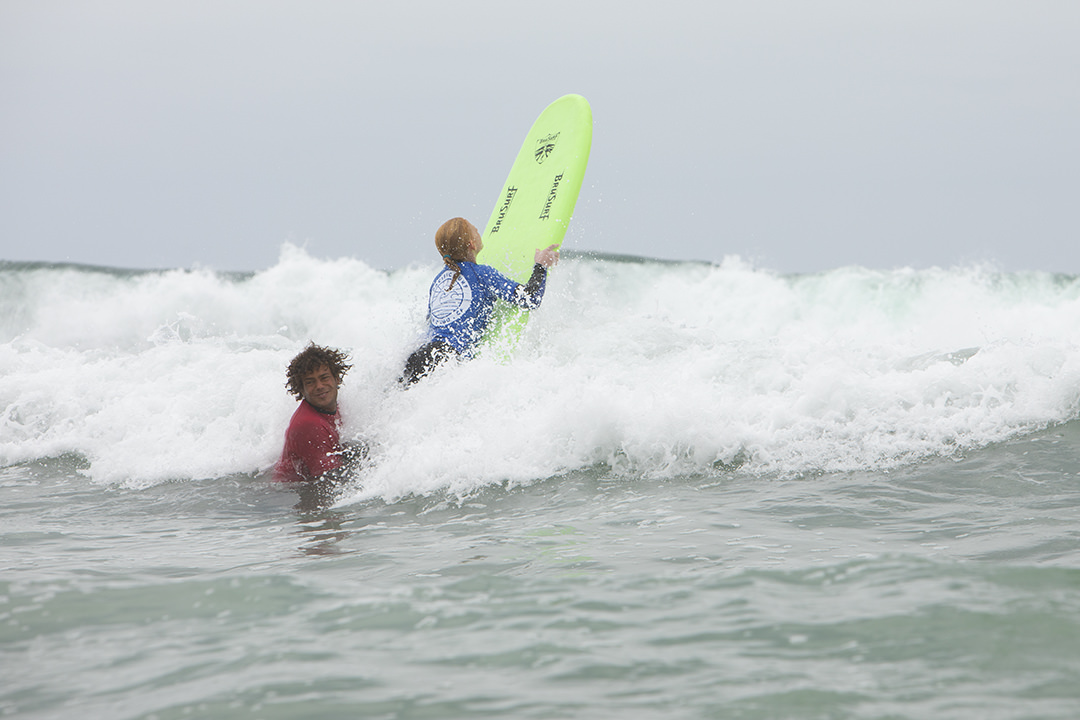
(460, 314)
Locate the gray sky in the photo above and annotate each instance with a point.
(800, 135)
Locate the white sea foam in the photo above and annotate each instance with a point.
(653, 369)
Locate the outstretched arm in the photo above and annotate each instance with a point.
(531, 293)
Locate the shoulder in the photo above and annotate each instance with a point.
(307, 419)
(488, 274)
(478, 268)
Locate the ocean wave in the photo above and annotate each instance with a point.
(645, 367)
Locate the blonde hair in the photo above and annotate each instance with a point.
(453, 240)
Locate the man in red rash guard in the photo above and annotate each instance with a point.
(312, 441)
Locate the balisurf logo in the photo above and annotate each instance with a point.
(544, 147)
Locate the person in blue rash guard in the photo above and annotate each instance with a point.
(463, 296)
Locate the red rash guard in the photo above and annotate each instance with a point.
(312, 445)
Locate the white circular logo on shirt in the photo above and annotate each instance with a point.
(448, 304)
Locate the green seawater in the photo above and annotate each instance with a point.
(946, 589)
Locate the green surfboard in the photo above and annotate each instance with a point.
(536, 203)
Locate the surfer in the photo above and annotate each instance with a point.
(312, 442)
(463, 296)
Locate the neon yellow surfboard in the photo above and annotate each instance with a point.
(536, 203)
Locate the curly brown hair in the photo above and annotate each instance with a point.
(311, 359)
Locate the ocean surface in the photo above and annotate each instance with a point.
(696, 491)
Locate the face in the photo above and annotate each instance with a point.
(320, 388)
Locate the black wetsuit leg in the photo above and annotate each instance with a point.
(425, 359)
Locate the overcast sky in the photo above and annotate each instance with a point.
(800, 135)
